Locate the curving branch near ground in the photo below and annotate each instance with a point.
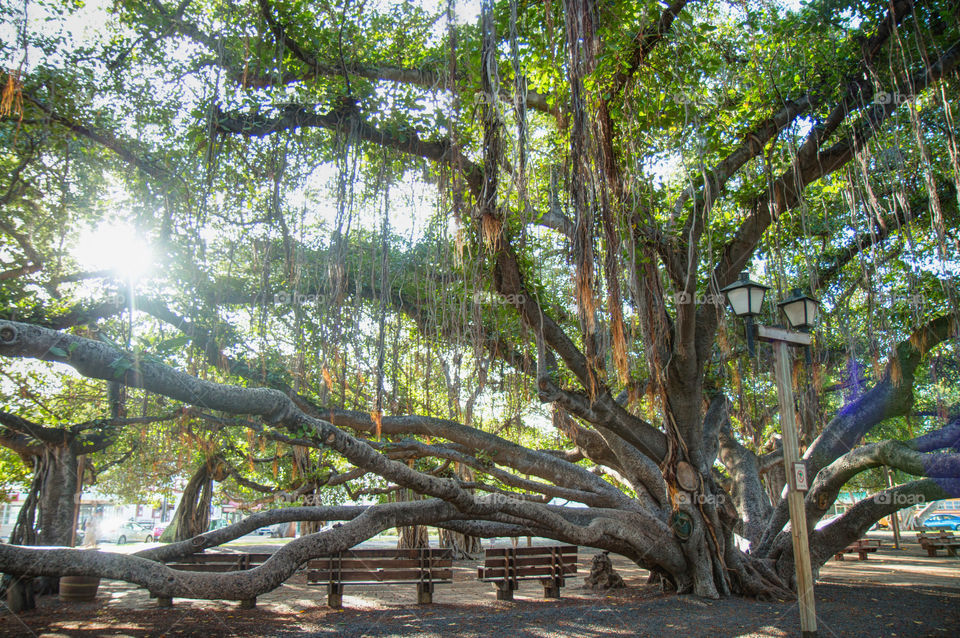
(891, 396)
(855, 522)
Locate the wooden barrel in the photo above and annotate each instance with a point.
(78, 589)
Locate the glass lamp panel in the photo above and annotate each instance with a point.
(796, 312)
(812, 310)
(756, 299)
(739, 299)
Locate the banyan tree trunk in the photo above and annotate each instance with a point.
(413, 536)
(310, 527)
(48, 517)
(304, 467)
(463, 545)
(193, 512)
(58, 496)
(25, 529)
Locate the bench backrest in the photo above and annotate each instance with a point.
(510, 563)
(932, 536)
(383, 566)
(218, 562)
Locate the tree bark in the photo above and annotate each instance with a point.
(192, 516)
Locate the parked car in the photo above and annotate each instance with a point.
(124, 532)
(264, 531)
(942, 521)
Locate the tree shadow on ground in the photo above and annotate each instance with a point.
(843, 610)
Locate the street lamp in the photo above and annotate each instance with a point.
(746, 299)
(801, 312)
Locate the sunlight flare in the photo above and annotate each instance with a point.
(118, 247)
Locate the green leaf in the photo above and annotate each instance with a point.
(173, 343)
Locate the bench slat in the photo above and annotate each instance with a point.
(374, 563)
(379, 576)
(531, 551)
(392, 582)
(503, 561)
(524, 572)
(394, 553)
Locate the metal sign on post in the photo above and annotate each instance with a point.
(800, 476)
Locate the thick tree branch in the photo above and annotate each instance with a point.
(644, 42)
(108, 141)
(297, 116)
(855, 522)
(787, 190)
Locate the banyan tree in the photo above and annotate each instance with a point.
(475, 255)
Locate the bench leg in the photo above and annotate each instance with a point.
(20, 596)
(164, 601)
(551, 590)
(504, 591)
(425, 593)
(931, 551)
(863, 555)
(248, 603)
(839, 556)
(335, 596)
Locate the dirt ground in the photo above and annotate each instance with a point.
(895, 593)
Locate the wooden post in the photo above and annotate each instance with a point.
(895, 516)
(335, 595)
(424, 593)
(798, 514)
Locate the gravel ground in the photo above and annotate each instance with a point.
(897, 593)
(844, 610)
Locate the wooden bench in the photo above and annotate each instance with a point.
(216, 562)
(862, 548)
(934, 542)
(507, 566)
(421, 567)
